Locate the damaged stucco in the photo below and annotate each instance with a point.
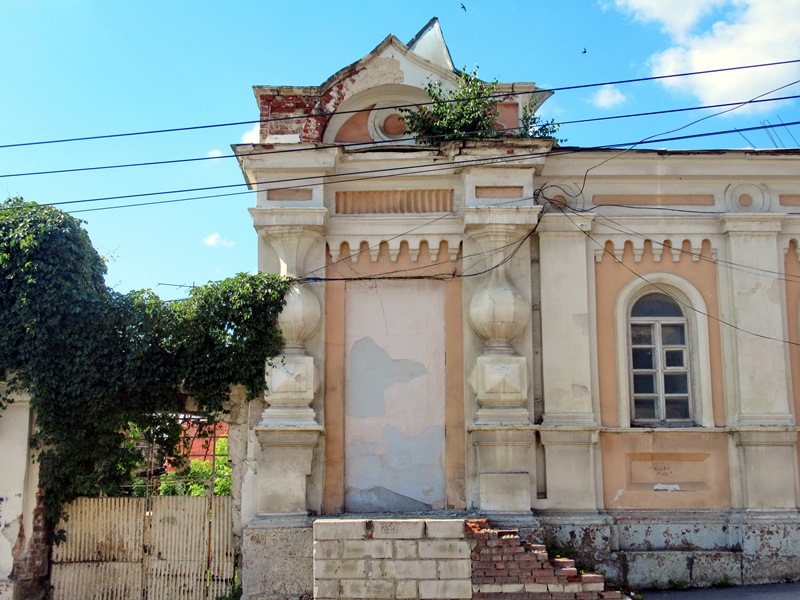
(394, 398)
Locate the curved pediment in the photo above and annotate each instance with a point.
(373, 116)
(358, 104)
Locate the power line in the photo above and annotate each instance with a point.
(650, 139)
(678, 300)
(498, 95)
(775, 275)
(385, 142)
(398, 170)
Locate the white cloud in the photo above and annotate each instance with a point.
(748, 32)
(214, 155)
(251, 136)
(676, 17)
(215, 240)
(608, 97)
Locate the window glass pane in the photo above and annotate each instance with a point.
(673, 358)
(642, 358)
(641, 335)
(676, 383)
(644, 408)
(673, 335)
(656, 305)
(644, 384)
(677, 408)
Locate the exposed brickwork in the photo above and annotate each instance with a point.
(506, 568)
(31, 554)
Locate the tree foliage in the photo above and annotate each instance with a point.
(468, 112)
(96, 362)
(200, 476)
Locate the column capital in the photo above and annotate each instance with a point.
(751, 223)
(559, 224)
(474, 217)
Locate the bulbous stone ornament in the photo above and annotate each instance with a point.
(498, 313)
(300, 318)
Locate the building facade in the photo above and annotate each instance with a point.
(599, 348)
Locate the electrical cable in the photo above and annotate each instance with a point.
(498, 95)
(773, 275)
(497, 159)
(672, 296)
(379, 143)
(650, 140)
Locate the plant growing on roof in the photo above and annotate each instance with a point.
(533, 126)
(467, 112)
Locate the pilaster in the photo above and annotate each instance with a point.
(566, 336)
(289, 431)
(571, 470)
(768, 459)
(498, 314)
(758, 355)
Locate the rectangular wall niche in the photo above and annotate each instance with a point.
(394, 396)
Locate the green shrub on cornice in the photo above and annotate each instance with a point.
(468, 112)
(96, 362)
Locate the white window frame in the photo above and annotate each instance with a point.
(659, 368)
(698, 354)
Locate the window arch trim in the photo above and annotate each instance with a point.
(695, 310)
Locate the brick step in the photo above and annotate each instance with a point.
(504, 567)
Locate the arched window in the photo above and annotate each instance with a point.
(660, 373)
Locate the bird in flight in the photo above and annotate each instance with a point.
(464, 8)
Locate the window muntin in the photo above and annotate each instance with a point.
(660, 374)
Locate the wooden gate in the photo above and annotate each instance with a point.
(117, 549)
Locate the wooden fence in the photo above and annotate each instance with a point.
(174, 548)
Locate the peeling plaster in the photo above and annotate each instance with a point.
(403, 473)
(372, 372)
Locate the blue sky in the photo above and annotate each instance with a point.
(86, 67)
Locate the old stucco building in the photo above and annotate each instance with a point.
(481, 328)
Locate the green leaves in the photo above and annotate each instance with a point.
(96, 362)
(468, 112)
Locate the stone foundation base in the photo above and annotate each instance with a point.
(669, 549)
(277, 560)
(432, 558)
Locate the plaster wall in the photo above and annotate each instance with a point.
(656, 469)
(394, 396)
(518, 272)
(18, 484)
(418, 325)
(611, 276)
(792, 271)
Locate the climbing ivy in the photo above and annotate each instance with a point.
(97, 363)
(468, 112)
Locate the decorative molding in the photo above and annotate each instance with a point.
(393, 231)
(498, 191)
(394, 201)
(751, 224)
(790, 199)
(697, 320)
(293, 195)
(747, 198)
(653, 199)
(658, 246)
